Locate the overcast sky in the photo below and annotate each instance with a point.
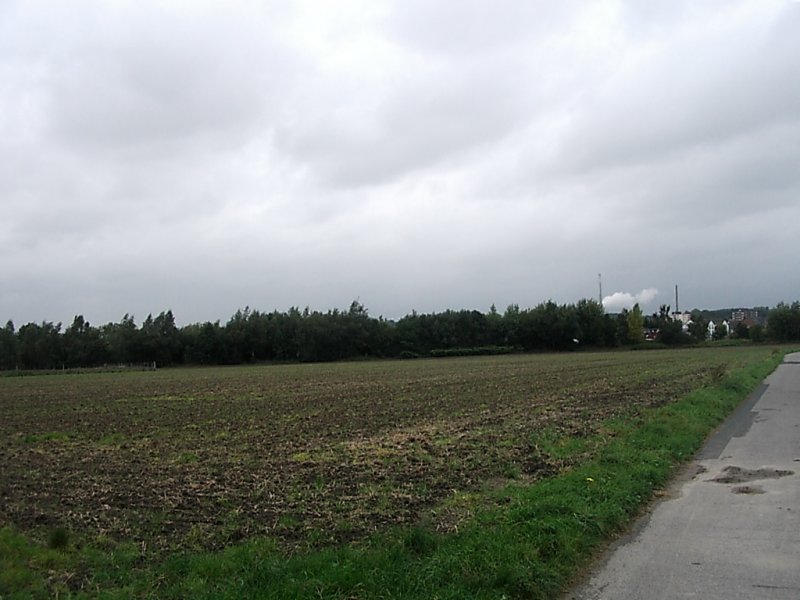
(415, 154)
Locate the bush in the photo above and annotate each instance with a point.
(477, 351)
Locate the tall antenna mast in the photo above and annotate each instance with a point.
(600, 285)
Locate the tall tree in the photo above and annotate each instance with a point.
(9, 358)
(698, 327)
(635, 322)
(122, 340)
(40, 346)
(591, 321)
(784, 322)
(83, 345)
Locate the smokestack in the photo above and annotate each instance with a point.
(677, 310)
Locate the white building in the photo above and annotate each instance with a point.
(684, 317)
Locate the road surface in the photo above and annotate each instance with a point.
(729, 526)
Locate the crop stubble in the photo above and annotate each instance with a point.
(308, 454)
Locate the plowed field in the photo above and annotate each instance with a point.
(308, 454)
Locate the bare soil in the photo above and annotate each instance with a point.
(307, 454)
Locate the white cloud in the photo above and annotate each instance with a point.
(625, 300)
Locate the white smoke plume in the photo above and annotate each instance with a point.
(619, 300)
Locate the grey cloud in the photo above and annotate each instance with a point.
(432, 118)
(463, 28)
(200, 157)
(123, 118)
(423, 113)
(116, 76)
(710, 183)
(701, 91)
(654, 18)
(174, 84)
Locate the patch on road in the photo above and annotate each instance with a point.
(748, 489)
(739, 475)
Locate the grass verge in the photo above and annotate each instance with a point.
(523, 542)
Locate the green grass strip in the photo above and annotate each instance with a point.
(528, 542)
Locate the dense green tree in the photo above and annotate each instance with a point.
(670, 330)
(261, 332)
(239, 338)
(158, 341)
(698, 327)
(286, 338)
(170, 350)
(635, 322)
(83, 345)
(671, 333)
(40, 346)
(592, 325)
(308, 335)
(496, 331)
(741, 331)
(147, 346)
(9, 358)
(511, 322)
(122, 340)
(204, 344)
(784, 322)
(621, 325)
(548, 327)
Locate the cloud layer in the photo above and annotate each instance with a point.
(416, 155)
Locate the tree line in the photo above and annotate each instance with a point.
(311, 336)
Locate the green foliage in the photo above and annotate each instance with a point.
(8, 347)
(550, 327)
(592, 324)
(635, 323)
(741, 331)
(40, 345)
(721, 332)
(251, 336)
(698, 327)
(784, 323)
(479, 351)
(83, 345)
(58, 539)
(671, 333)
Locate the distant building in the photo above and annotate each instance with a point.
(747, 316)
(727, 327)
(683, 317)
(743, 314)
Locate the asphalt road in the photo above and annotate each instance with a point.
(729, 526)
